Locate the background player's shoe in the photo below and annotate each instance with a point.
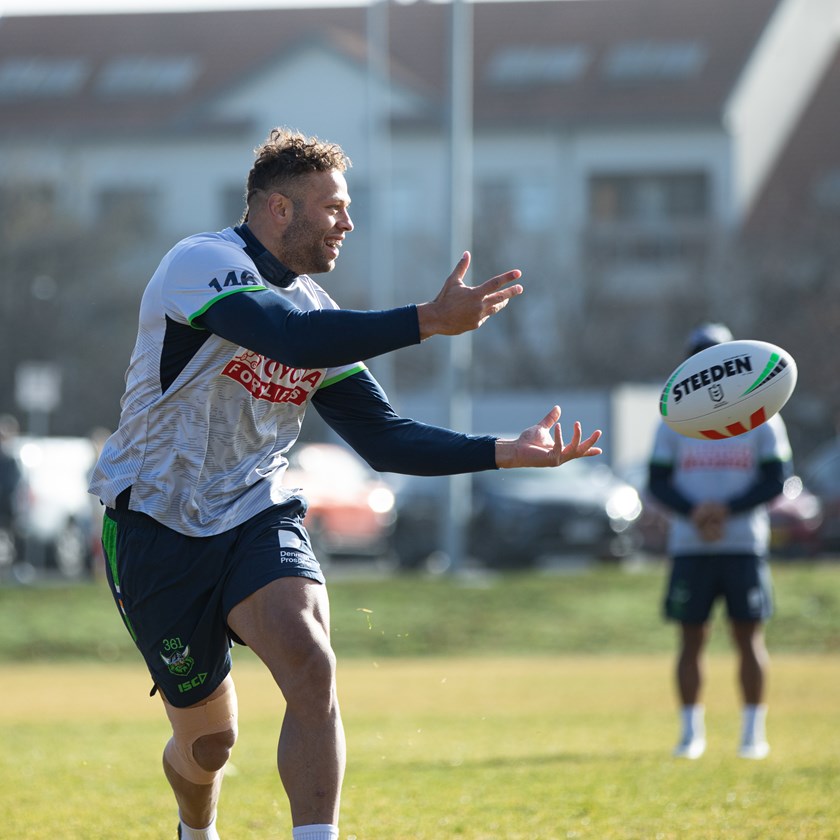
(755, 750)
(690, 747)
(753, 739)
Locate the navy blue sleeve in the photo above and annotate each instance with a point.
(662, 489)
(272, 326)
(357, 409)
(769, 484)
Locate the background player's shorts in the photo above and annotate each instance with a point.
(697, 581)
(175, 591)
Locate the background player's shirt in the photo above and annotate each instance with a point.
(719, 470)
(205, 452)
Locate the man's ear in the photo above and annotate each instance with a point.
(279, 207)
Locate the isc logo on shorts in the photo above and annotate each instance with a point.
(196, 681)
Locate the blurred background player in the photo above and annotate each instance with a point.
(716, 494)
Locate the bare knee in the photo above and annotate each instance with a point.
(749, 639)
(309, 686)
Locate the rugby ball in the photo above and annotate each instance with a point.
(727, 389)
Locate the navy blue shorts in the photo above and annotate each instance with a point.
(174, 592)
(697, 581)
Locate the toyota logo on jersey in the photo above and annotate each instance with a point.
(267, 379)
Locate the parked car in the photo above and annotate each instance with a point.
(796, 521)
(522, 516)
(822, 475)
(652, 526)
(351, 509)
(56, 522)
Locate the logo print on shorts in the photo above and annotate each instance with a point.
(180, 663)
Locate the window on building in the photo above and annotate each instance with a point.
(129, 210)
(525, 205)
(648, 198)
(26, 208)
(406, 204)
(825, 190)
(533, 205)
(647, 61)
(520, 66)
(148, 75)
(32, 76)
(647, 231)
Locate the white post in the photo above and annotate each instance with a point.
(459, 496)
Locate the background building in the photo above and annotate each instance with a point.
(647, 163)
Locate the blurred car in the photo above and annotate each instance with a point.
(796, 521)
(796, 518)
(351, 509)
(55, 520)
(522, 516)
(822, 475)
(652, 526)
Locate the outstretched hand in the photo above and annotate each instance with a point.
(542, 445)
(459, 308)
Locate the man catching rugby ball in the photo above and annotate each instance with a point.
(204, 544)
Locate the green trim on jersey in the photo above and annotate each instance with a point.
(218, 298)
(343, 375)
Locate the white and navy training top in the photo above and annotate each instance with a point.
(231, 349)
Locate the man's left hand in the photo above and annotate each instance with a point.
(542, 445)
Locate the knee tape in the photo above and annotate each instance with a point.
(188, 725)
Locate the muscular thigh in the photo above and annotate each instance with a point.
(273, 545)
(286, 623)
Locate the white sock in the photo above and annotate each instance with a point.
(315, 832)
(208, 833)
(754, 718)
(693, 721)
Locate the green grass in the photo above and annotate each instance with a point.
(504, 748)
(596, 611)
(532, 707)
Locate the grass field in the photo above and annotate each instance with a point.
(560, 725)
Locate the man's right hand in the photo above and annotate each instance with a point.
(459, 308)
(709, 518)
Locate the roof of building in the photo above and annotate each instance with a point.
(546, 64)
(599, 61)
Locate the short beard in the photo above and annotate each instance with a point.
(302, 253)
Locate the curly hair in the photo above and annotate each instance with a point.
(287, 154)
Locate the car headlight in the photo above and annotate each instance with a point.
(792, 487)
(381, 500)
(624, 504)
